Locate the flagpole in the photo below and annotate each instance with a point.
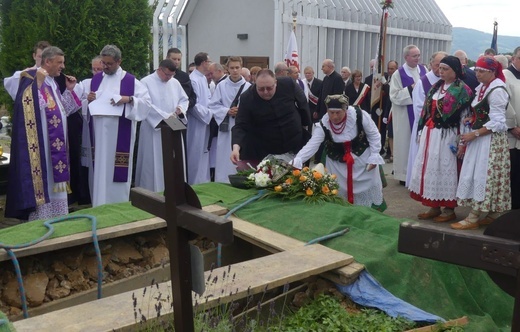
(383, 62)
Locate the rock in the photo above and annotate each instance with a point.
(60, 268)
(77, 280)
(74, 258)
(160, 255)
(11, 294)
(91, 265)
(122, 252)
(58, 293)
(300, 299)
(35, 286)
(53, 284)
(113, 268)
(66, 284)
(15, 312)
(104, 247)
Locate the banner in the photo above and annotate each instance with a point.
(495, 35)
(378, 70)
(291, 56)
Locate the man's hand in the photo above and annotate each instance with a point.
(91, 97)
(315, 115)
(70, 82)
(233, 111)
(516, 132)
(235, 154)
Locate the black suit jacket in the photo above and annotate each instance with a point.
(184, 80)
(332, 85)
(272, 126)
(470, 78)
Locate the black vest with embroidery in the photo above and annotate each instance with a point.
(481, 110)
(336, 151)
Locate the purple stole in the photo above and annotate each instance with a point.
(56, 136)
(407, 81)
(426, 84)
(124, 129)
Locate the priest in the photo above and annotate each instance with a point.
(39, 172)
(117, 100)
(224, 106)
(149, 169)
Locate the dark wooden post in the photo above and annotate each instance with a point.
(181, 209)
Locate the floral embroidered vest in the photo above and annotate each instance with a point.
(336, 151)
(481, 111)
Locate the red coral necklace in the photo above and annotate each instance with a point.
(338, 129)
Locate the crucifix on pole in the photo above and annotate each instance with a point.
(181, 209)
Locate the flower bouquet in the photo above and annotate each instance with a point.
(312, 185)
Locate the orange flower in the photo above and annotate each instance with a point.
(303, 178)
(317, 175)
(289, 181)
(334, 191)
(305, 169)
(296, 172)
(325, 189)
(309, 192)
(278, 188)
(333, 176)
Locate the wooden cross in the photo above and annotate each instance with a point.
(181, 209)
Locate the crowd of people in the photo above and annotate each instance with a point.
(452, 132)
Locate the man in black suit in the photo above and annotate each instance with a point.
(470, 78)
(314, 87)
(175, 55)
(332, 85)
(378, 118)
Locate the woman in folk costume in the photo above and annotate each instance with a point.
(484, 182)
(352, 144)
(434, 175)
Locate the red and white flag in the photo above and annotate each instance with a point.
(291, 56)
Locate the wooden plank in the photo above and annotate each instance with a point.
(434, 328)
(242, 280)
(86, 237)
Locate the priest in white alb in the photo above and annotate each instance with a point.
(117, 100)
(224, 106)
(167, 99)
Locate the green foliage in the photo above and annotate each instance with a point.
(80, 28)
(326, 313)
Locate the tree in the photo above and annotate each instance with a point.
(80, 28)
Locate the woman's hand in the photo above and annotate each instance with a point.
(370, 167)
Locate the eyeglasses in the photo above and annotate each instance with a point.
(166, 74)
(265, 88)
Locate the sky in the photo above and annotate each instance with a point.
(480, 15)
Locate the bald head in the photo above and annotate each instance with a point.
(328, 66)
(463, 57)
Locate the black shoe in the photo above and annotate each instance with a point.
(402, 183)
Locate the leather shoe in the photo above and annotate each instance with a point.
(429, 214)
(486, 221)
(464, 226)
(445, 218)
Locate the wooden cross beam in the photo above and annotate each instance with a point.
(181, 209)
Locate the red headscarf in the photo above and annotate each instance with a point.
(489, 63)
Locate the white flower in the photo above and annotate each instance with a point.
(251, 176)
(262, 179)
(319, 168)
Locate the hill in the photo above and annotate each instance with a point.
(474, 42)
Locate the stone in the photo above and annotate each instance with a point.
(58, 293)
(113, 268)
(35, 287)
(104, 247)
(60, 268)
(66, 284)
(122, 252)
(160, 255)
(53, 284)
(73, 258)
(11, 294)
(77, 280)
(91, 265)
(300, 299)
(15, 312)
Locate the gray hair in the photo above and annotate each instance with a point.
(408, 48)
(434, 55)
(112, 51)
(50, 52)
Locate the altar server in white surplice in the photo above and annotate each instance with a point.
(199, 117)
(168, 99)
(117, 100)
(224, 106)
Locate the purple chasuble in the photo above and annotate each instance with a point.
(56, 135)
(124, 129)
(426, 84)
(407, 81)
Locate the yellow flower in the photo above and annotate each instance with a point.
(305, 169)
(296, 172)
(309, 192)
(325, 189)
(303, 178)
(278, 188)
(289, 181)
(317, 175)
(334, 191)
(333, 176)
